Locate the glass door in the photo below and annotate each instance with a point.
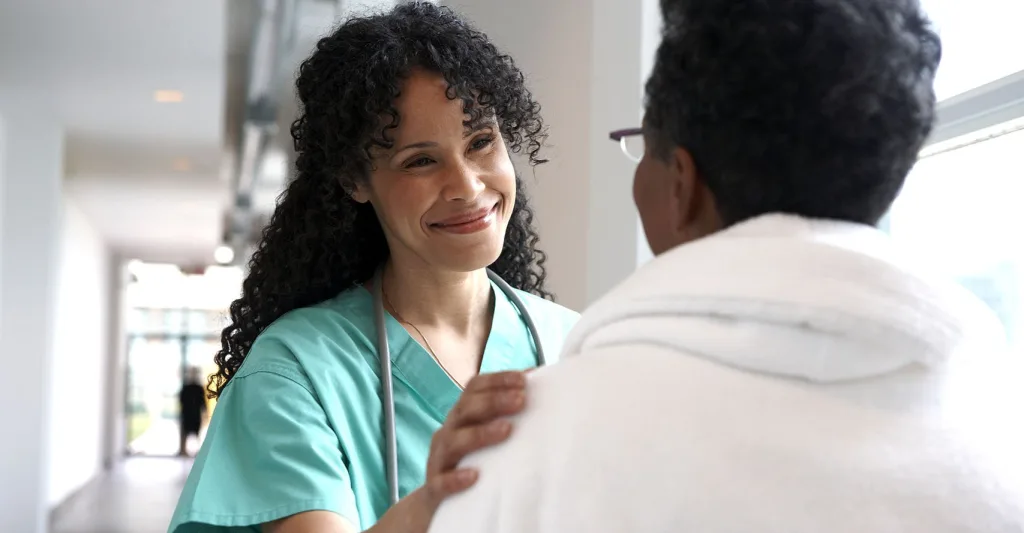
(174, 322)
(165, 345)
(154, 379)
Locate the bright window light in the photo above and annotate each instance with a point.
(166, 287)
(959, 214)
(981, 42)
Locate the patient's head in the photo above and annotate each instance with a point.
(809, 107)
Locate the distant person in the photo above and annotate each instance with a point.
(780, 366)
(403, 250)
(192, 399)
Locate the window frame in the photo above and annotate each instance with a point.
(989, 105)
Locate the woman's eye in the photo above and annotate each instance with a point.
(482, 142)
(419, 162)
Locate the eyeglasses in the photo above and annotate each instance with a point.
(632, 142)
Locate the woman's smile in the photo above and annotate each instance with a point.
(469, 221)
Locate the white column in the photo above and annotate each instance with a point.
(621, 55)
(115, 430)
(550, 42)
(650, 38)
(586, 62)
(31, 171)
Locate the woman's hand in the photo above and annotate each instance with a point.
(477, 420)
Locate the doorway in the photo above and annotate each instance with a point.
(164, 343)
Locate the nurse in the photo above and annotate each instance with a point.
(403, 165)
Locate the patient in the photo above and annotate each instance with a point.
(779, 367)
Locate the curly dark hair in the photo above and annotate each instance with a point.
(809, 107)
(320, 241)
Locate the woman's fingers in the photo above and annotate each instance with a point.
(481, 407)
(487, 397)
(443, 485)
(496, 380)
(476, 421)
(453, 445)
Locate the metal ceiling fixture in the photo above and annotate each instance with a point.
(272, 43)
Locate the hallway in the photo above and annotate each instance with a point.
(137, 496)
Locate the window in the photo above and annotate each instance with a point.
(174, 323)
(207, 322)
(959, 209)
(154, 378)
(960, 212)
(981, 39)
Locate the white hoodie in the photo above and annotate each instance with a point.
(784, 376)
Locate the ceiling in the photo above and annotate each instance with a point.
(158, 180)
(151, 176)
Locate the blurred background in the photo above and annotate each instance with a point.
(143, 146)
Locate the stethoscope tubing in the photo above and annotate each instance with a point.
(390, 429)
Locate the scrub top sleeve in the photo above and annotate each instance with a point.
(269, 453)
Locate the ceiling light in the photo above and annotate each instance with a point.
(224, 254)
(135, 267)
(182, 165)
(274, 167)
(168, 96)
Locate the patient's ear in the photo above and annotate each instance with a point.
(695, 212)
(683, 183)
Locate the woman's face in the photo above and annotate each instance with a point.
(444, 193)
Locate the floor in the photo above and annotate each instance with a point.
(137, 496)
(161, 438)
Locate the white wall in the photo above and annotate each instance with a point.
(550, 41)
(78, 417)
(30, 209)
(56, 284)
(650, 38)
(619, 64)
(3, 186)
(586, 61)
(365, 7)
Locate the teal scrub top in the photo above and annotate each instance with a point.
(299, 427)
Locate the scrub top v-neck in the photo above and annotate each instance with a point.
(299, 427)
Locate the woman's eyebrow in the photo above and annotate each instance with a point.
(422, 144)
(479, 124)
(471, 128)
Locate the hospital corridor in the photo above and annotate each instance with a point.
(136, 495)
(147, 240)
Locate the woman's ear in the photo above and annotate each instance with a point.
(360, 193)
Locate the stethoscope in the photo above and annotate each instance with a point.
(384, 354)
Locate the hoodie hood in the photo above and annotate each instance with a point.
(818, 300)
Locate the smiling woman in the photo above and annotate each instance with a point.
(405, 189)
(444, 178)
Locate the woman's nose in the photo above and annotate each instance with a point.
(464, 183)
